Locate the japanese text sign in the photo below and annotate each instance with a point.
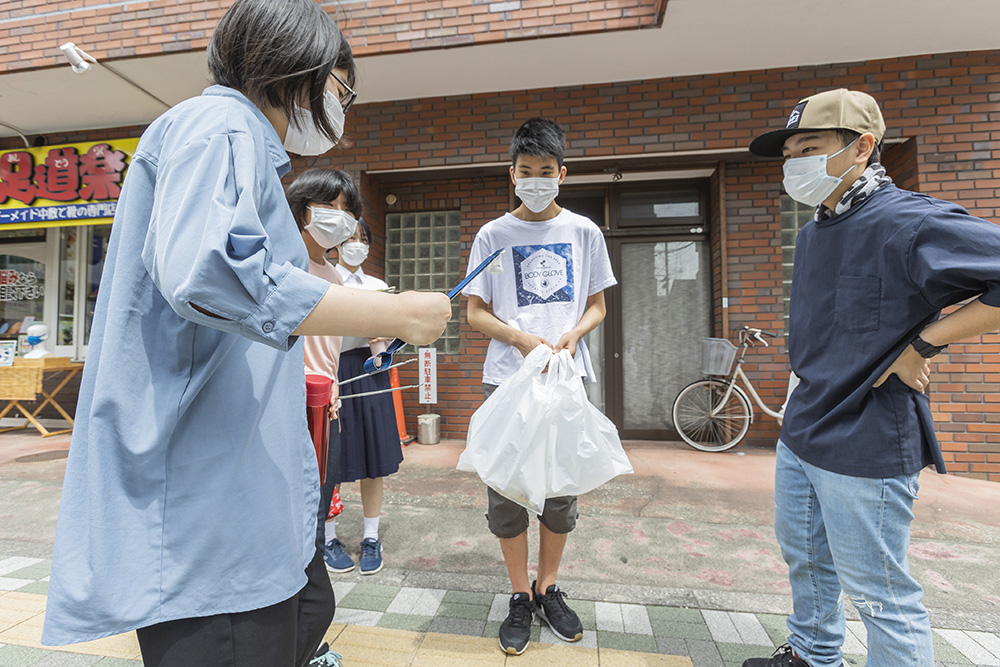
(70, 184)
(427, 359)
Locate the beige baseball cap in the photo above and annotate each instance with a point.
(839, 109)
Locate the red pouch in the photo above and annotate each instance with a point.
(336, 506)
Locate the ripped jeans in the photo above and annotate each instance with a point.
(851, 534)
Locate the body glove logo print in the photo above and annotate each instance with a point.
(544, 273)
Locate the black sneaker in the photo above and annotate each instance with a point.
(783, 656)
(552, 609)
(515, 631)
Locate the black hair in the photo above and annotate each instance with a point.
(538, 137)
(848, 136)
(366, 231)
(273, 51)
(322, 186)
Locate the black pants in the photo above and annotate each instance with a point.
(286, 634)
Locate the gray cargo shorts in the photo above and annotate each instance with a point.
(507, 519)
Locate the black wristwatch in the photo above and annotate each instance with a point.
(925, 349)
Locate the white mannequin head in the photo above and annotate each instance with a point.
(39, 333)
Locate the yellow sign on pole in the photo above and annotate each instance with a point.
(57, 186)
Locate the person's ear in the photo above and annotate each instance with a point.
(562, 174)
(512, 179)
(865, 146)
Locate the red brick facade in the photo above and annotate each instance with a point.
(30, 30)
(943, 114)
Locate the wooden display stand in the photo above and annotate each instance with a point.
(24, 382)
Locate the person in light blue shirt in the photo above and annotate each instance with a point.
(190, 495)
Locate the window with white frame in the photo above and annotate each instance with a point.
(423, 252)
(793, 217)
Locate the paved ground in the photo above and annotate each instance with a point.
(675, 565)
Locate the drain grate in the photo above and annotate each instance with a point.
(43, 456)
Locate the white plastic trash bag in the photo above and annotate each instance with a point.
(539, 437)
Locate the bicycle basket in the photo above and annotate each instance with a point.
(717, 357)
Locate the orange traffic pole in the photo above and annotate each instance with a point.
(397, 402)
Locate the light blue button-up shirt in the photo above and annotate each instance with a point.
(192, 486)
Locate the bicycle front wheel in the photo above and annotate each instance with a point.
(705, 422)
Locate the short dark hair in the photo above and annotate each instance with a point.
(322, 186)
(366, 231)
(538, 137)
(274, 50)
(848, 136)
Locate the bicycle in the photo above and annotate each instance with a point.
(715, 414)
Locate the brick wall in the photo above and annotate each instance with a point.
(31, 30)
(924, 99)
(754, 280)
(386, 27)
(949, 106)
(900, 161)
(965, 397)
(946, 108)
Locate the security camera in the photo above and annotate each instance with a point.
(77, 57)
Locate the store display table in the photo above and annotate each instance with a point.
(23, 382)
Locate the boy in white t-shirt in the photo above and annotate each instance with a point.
(551, 292)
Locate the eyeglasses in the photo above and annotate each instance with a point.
(347, 99)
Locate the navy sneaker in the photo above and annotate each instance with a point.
(336, 557)
(552, 609)
(371, 555)
(515, 631)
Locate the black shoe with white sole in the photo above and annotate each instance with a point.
(552, 609)
(783, 656)
(515, 631)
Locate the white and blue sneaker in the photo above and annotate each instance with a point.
(336, 557)
(371, 555)
(326, 658)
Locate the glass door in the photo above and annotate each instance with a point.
(22, 289)
(649, 346)
(592, 203)
(665, 310)
(82, 251)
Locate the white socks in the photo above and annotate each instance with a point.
(371, 528)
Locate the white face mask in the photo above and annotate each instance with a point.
(536, 193)
(304, 138)
(806, 180)
(354, 253)
(330, 227)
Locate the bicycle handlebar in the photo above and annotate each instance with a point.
(748, 332)
(753, 331)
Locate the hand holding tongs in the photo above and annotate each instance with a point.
(383, 360)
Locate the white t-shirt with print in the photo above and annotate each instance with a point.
(550, 269)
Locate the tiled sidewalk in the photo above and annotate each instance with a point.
(710, 638)
(415, 626)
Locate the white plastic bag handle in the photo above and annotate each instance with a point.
(537, 360)
(562, 368)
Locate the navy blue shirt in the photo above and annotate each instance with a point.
(864, 285)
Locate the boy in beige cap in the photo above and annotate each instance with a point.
(873, 270)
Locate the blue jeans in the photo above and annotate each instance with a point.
(851, 534)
